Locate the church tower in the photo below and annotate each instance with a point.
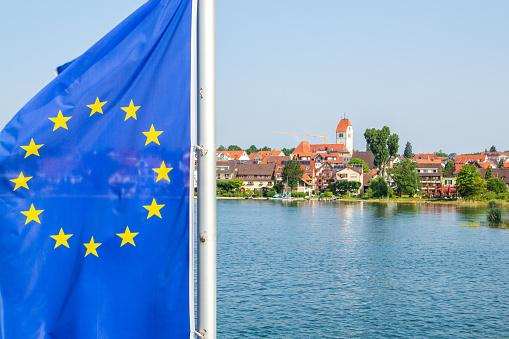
(344, 134)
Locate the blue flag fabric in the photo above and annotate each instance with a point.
(94, 190)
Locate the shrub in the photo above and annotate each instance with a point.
(378, 188)
(494, 216)
(326, 194)
(503, 196)
(487, 196)
(494, 203)
(496, 185)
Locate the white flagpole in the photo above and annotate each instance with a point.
(206, 123)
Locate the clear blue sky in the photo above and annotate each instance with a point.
(435, 72)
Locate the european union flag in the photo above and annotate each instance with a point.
(95, 187)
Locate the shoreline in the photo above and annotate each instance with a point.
(384, 201)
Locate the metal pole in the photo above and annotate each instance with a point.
(206, 123)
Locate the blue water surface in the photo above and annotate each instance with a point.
(359, 270)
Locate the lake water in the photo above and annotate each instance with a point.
(359, 270)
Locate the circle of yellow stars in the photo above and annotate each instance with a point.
(60, 121)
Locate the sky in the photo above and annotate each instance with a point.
(435, 72)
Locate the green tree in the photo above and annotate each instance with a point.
(279, 188)
(393, 145)
(449, 166)
(489, 173)
(221, 148)
(234, 148)
(441, 154)
(266, 149)
(408, 151)
(252, 149)
(236, 184)
(357, 161)
(493, 149)
(405, 177)
(292, 173)
(469, 182)
(496, 185)
(378, 188)
(229, 186)
(382, 144)
(288, 151)
(501, 163)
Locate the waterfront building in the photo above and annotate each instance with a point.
(256, 176)
(225, 170)
(351, 173)
(430, 175)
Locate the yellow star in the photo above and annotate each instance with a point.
(60, 121)
(32, 214)
(162, 172)
(61, 239)
(152, 135)
(153, 209)
(21, 181)
(92, 247)
(32, 148)
(131, 111)
(127, 237)
(97, 106)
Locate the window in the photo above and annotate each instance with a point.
(250, 182)
(227, 175)
(353, 176)
(341, 135)
(308, 168)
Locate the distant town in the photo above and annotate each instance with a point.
(337, 169)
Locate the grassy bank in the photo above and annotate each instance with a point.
(407, 200)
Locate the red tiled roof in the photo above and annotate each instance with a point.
(271, 159)
(307, 179)
(254, 155)
(484, 164)
(271, 153)
(343, 125)
(428, 161)
(457, 167)
(423, 156)
(462, 159)
(306, 147)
